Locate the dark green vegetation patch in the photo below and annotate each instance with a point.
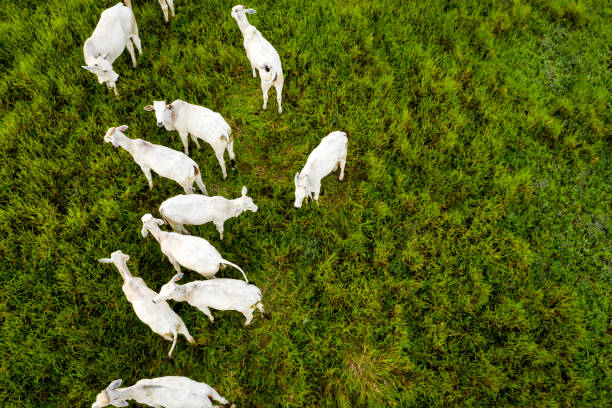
(464, 260)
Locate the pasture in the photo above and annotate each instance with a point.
(464, 260)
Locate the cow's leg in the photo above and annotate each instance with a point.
(195, 140)
(164, 7)
(112, 85)
(175, 226)
(254, 70)
(265, 86)
(219, 226)
(136, 40)
(342, 164)
(200, 183)
(174, 263)
(248, 314)
(278, 84)
(185, 139)
(230, 151)
(171, 5)
(130, 48)
(147, 173)
(207, 313)
(317, 189)
(219, 154)
(260, 306)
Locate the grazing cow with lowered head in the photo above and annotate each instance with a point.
(325, 158)
(115, 32)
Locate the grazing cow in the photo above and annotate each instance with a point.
(192, 252)
(220, 294)
(161, 392)
(200, 123)
(157, 315)
(161, 159)
(262, 56)
(115, 31)
(197, 209)
(324, 159)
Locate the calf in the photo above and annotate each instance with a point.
(163, 160)
(200, 123)
(166, 392)
(197, 209)
(324, 159)
(115, 31)
(261, 55)
(157, 315)
(192, 252)
(220, 294)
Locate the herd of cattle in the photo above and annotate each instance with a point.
(116, 31)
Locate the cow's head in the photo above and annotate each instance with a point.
(111, 134)
(302, 189)
(162, 111)
(106, 397)
(103, 70)
(148, 223)
(245, 203)
(170, 290)
(239, 11)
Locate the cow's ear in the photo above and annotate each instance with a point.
(170, 107)
(149, 108)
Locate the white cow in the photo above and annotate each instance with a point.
(200, 123)
(157, 315)
(262, 56)
(324, 159)
(115, 31)
(220, 294)
(162, 392)
(161, 159)
(195, 209)
(192, 252)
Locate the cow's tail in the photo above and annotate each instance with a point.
(267, 72)
(235, 266)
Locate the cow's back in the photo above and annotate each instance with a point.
(111, 33)
(118, 17)
(198, 120)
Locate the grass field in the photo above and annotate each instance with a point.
(464, 261)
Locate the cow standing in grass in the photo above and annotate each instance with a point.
(195, 209)
(115, 32)
(220, 294)
(325, 158)
(157, 315)
(262, 56)
(200, 123)
(162, 392)
(194, 253)
(161, 159)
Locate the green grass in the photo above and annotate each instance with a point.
(464, 261)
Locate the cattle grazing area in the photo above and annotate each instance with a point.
(462, 260)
